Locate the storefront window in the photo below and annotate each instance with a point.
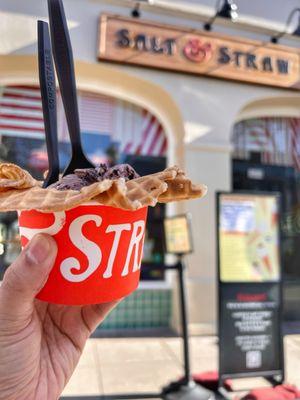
(266, 158)
(113, 131)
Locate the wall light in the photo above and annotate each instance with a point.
(296, 32)
(136, 13)
(228, 10)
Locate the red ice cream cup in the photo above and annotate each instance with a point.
(99, 252)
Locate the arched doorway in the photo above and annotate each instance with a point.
(266, 157)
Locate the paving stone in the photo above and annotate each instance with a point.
(146, 364)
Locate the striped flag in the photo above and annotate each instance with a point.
(151, 140)
(258, 140)
(21, 112)
(95, 113)
(295, 142)
(276, 139)
(270, 151)
(136, 130)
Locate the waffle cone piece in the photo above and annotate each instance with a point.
(12, 176)
(19, 191)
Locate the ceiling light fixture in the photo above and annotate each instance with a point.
(296, 32)
(227, 10)
(136, 13)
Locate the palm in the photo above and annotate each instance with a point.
(49, 345)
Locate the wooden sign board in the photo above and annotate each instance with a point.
(148, 44)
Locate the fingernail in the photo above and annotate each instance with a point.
(37, 250)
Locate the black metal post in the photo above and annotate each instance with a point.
(185, 388)
(184, 321)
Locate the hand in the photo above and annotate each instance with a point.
(40, 343)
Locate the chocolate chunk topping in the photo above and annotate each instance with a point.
(88, 176)
(121, 171)
(68, 182)
(92, 175)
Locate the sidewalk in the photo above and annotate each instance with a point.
(119, 365)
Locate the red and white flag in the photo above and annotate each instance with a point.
(276, 139)
(95, 113)
(295, 142)
(146, 139)
(21, 112)
(137, 130)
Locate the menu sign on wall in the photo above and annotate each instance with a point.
(136, 42)
(178, 236)
(249, 238)
(249, 286)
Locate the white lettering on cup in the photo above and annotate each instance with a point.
(118, 229)
(59, 220)
(133, 245)
(89, 248)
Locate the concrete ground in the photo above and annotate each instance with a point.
(120, 365)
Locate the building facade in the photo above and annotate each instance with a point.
(216, 127)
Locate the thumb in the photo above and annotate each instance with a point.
(26, 276)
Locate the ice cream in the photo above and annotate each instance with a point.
(98, 227)
(88, 176)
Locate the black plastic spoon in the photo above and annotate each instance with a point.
(63, 57)
(48, 94)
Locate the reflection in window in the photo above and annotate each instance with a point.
(266, 157)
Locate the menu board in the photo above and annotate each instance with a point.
(248, 238)
(250, 298)
(178, 234)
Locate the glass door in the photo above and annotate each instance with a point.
(266, 158)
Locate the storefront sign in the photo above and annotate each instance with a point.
(249, 277)
(154, 45)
